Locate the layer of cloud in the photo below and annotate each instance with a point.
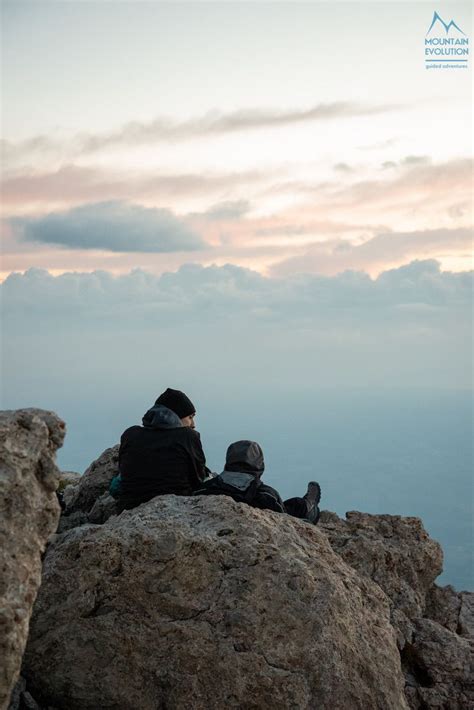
(224, 328)
(113, 226)
(213, 123)
(72, 184)
(197, 293)
(231, 209)
(335, 256)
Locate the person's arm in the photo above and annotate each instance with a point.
(200, 470)
(115, 486)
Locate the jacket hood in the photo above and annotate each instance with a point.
(245, 456)
(160, 417)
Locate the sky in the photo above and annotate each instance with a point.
(283, 137)
(259, 203)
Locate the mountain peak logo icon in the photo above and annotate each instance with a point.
(437, 18)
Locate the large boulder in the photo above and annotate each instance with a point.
(29, 513)
(206, 603)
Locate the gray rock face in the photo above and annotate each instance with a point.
(29, 513)
(434, 625)
(94, 482)
(394, 551)
(466, 615)
(206, 603)
(439, 668)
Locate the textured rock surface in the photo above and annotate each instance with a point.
(205, 603)
(94, 482)
(29, 512)
(394, 551)
(443, 605)
(466, 615)
(68, 478)
(439, 668)
(434, 625)
(103, 509)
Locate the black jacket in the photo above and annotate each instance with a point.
(243, 458)
(161, 457)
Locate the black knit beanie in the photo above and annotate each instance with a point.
(177, 402)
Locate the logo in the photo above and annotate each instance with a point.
(437, 18)
(444, 50)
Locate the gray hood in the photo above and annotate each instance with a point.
(245, 456)
(160, 417)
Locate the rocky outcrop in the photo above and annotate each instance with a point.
(68, 478)
(88, 499)
(394, 551)
(200, 602)
(205, 603)
(29, 513)
(439, 668)
(434, 625)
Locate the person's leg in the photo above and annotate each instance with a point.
(296, 507)
(306, 507)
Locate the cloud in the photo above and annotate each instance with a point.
(229, 210)
(342, 168)
(113, 226)
(213, 123)
(416, 160)
(419, 194)
(416, 179)
(73, 184)
(219, 328)
(198, 294)
(335, 256)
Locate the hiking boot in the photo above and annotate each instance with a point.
(313, 494)
(312, 498)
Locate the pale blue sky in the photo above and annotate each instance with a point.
(92, 66)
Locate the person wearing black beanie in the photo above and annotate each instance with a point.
(164, 455)
(179, 403)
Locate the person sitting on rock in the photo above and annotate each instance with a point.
(163, 456)
(241, 479)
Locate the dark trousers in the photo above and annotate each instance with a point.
(298, 508)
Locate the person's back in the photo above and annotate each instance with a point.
(163, 456)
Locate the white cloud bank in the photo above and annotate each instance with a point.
(95, 343)
(199, 294)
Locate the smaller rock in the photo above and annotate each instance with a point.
(94, 482)
(438, 667)
(466, 615)
(103, 509)
(68, 478)
(15, 697)
(443, 605)
(74, 520)
(28, 702)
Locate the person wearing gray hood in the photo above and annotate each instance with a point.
(241, 479)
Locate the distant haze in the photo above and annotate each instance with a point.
(362, 384)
